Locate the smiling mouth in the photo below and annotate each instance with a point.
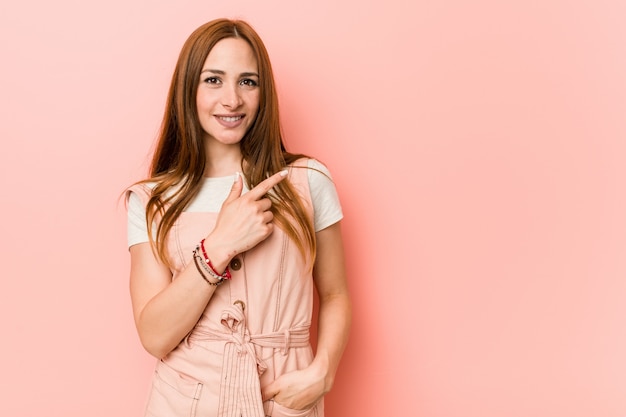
(230, 119)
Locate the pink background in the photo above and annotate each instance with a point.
(479, 150)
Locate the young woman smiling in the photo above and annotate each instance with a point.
(228, 236)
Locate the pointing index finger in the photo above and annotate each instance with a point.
(264, 186)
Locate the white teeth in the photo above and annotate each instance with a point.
(231, 119)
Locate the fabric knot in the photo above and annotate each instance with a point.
(242, 366)
(233, 319)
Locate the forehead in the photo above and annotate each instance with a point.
(231, 53)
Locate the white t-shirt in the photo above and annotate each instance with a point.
(326, 206)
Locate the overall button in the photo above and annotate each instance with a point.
(235, 264)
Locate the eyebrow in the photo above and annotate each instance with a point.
(220, 72)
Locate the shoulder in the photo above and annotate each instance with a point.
(142, 189)
(311, 173)
(318, 174)
(313, 168)
(145, 189)
(318, 169)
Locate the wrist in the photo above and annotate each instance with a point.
(220, 256)
(205, 269)
(323, 371)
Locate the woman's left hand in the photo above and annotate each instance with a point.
(298, 390)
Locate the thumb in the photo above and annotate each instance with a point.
(235, 192)
(269, 392)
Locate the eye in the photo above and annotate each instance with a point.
(212, 80)
(248, 82)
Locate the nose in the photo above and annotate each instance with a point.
(231, 97)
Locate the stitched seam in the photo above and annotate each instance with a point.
(281, 273)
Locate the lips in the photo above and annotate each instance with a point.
(230, 120)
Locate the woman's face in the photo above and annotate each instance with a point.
(228, 93)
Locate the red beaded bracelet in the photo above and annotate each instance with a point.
(225, 275)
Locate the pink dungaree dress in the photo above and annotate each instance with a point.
(254, 329)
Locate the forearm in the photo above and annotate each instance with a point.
(333, 329)
(172, 313)
(335, 311)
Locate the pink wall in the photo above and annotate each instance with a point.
(479, 148)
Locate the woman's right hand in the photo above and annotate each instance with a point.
(243, 222)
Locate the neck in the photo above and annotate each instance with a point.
(222, 160)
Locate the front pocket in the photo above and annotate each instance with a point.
(173, 394)
(273, 409)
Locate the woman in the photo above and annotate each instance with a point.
(227, 238)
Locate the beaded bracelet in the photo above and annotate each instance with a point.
(225, 275)
(198, 261)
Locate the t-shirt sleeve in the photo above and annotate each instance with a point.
(137, 229)
(326, 206)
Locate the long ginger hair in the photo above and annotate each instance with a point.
(179, 159)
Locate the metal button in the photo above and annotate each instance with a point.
(235, 264)
(241, 303)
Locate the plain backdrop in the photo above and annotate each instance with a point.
(478, 148)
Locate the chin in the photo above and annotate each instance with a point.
(230, 141)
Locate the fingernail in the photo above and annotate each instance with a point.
(236, 176)
(284, 172)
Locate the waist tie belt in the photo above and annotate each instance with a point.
(240, 390)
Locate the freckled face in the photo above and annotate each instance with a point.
(228, 93)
